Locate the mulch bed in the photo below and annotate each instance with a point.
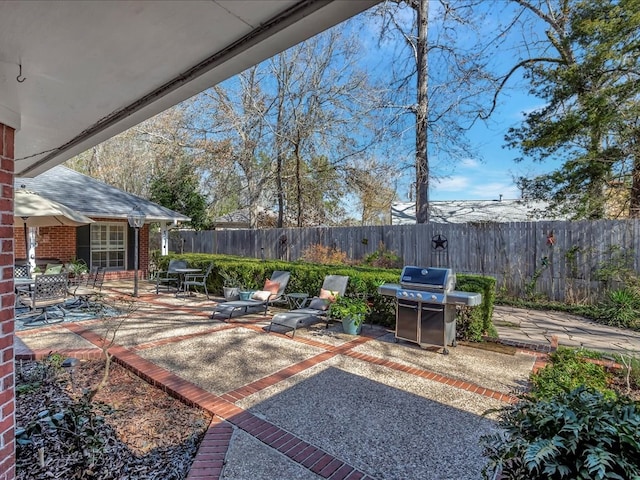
(131, 430)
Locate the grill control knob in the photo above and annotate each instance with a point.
(405, 294)
(419, 295)
(433, 297)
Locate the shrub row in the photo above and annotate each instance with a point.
(308, 277)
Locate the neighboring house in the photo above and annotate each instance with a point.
(464, 211)
(240, 219)
(109, 242)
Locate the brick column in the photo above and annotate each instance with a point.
(7, 312)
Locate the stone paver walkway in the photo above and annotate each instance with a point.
(522, 326)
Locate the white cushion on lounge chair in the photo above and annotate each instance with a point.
(261, 295)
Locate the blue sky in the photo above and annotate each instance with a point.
(491, 172)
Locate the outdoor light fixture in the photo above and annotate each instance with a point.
(136, 220)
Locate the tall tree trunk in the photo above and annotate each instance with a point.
(422, 108)
(296, 154)
(279, 158)
(634, 201)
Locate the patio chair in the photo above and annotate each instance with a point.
(170, 276)
(196, 280)
(314, 309)
(22, 270)
(85, 293)
(49, 292)
(272, 292)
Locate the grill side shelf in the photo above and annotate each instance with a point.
(470, 299)
(388, 289)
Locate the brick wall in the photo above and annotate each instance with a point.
(7, 302)
(53, 242)
(60, 243)
(143, 258)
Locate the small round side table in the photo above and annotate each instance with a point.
(296, 300)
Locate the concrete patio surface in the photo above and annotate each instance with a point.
(324, 404)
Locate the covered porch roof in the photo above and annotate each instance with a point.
(75, 73)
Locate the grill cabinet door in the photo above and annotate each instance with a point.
(432, 324)
(407, 321)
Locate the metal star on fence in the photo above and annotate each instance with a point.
(439, 242)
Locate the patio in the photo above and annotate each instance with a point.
(324, 405)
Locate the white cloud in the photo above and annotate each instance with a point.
(452, 184)
(470, 163)
(491, 191)
(473, 187)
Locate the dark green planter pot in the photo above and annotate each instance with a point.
(246, 294)
(349, 325)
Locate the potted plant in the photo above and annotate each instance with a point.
(352, 311)
(76, 269)
(231, 285)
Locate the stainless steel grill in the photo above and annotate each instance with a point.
(426, 305)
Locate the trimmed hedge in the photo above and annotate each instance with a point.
(473, 323)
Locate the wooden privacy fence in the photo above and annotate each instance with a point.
(561, 260)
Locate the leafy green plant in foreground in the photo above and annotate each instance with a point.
(575, 435)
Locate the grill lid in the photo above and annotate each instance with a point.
(428, 278)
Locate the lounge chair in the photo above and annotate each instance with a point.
(272, 292)
(170, 276)
(316, 308)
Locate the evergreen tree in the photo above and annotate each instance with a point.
(178, 189)
(591, 88)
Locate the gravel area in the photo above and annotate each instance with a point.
(318, 332)
(226, 360)
(142, 328)
(389, 424)
(497, 371)
(263, 463)
(53, 340)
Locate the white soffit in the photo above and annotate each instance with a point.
(92, 69)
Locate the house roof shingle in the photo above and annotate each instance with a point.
(463, 211)
(92, 197)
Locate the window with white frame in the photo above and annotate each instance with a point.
(108, 246)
